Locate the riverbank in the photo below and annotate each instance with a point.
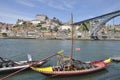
(60, 38)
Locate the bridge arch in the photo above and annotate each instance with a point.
(102, 20)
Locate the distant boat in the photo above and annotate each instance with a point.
(115, 58)
(9, 65)
(67, 66)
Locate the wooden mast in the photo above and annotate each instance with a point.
(72, 38)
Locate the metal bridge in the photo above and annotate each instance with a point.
(97, 23)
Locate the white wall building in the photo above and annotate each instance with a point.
(35, 21)
(64, 27)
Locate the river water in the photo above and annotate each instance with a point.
(17, 49)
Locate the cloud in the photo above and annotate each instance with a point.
(26, 3)
(59, 4)
(10, 16)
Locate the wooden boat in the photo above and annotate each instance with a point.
(115, 58)
(22, 65)
(71, 70)
(9, 65)
(67, 66)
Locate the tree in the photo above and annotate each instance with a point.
(43, 28)
(39, 25)
(4, 34)
(55, 29)
(24, 24)
(83, 27)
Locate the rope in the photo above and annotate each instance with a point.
(34, 63)
(15, 72)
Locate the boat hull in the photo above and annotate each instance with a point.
(20, 66)
(71, 73)
(100, 65)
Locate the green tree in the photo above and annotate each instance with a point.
(43, 28)
(16, 26)
(24, 24)
(83, 27)
(55, 29)
(39, 25)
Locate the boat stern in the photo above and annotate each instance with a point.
(107, 60)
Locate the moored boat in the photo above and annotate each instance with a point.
(115, 58)
(9, 65)
(70, 70)
(68, 66)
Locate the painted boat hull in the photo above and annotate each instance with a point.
(71, 73)
(100, 65)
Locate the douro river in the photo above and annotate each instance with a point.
(17, 49)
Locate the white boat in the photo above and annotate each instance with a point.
(9, 65)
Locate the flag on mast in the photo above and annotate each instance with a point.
(78, 49)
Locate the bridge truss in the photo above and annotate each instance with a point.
(96, 23)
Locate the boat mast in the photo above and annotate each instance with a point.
(72, 38)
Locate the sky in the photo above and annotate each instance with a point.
(11, 10)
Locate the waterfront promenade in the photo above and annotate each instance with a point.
(55, 36)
